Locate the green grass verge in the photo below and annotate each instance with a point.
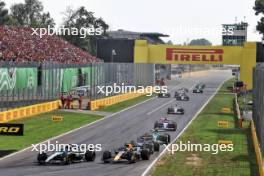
(123, 105)
(204, 130)
(41, 127)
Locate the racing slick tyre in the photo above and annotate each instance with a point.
(106, 156)
(156, 147)
(156, 125)
(42, 157)
(174, 127)
(89, 155)
(132, 158)
(145, 155)
(68, 160)
(169, 139)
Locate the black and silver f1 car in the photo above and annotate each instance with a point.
(183, 90)
(164, 95)
(175, 110)
(182, 97)
(199, 88)
(130, 152)
(165, 124)
(66, 156)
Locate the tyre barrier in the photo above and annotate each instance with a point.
(28, 111)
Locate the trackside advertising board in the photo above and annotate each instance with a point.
(9, 129)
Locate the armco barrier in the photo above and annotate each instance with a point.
(257, 149)
(96, 104)
(28, 111)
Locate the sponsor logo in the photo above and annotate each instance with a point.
(223, 124)
(57, 118)
(194, 55)
(11, 129)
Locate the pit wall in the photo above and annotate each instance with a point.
(27, 111)
(96, 104)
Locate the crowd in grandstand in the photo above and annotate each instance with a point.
(19, 45)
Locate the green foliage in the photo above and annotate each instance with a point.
(3, 13)
(30, 13)
(259, 8)
(198, 42)
(82, 18)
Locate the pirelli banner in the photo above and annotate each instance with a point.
(245, 56)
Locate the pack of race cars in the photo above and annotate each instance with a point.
(141, 149)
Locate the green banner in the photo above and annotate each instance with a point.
(69, 79)
(18, 78)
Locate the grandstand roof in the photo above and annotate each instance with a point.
(151, 37)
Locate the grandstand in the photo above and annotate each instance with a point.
(18, 44)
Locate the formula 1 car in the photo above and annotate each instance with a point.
(175, 110)
(164, 95)
(130, 152)
(66, 156)
(200, 86)
(165, 124)
(182, 97)
(183, 90)
(155, 138)
(197, 90)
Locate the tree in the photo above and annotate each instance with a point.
(200, 42)
(3, 13)
(259, 8)
(80, 19)
(170, 42)
(31, 14)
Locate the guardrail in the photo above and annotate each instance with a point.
(257, 149)
(28, 111)
(254, 138)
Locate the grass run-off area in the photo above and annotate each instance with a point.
(123, 105)
(204, 130)
(41, 127)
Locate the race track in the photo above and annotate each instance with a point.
(115, 131)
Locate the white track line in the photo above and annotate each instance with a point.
(197, 113)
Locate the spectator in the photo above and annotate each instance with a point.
(17, 43)
(80, 101)
(62, 101)
(68, 102)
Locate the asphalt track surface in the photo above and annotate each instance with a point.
(115, 131)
